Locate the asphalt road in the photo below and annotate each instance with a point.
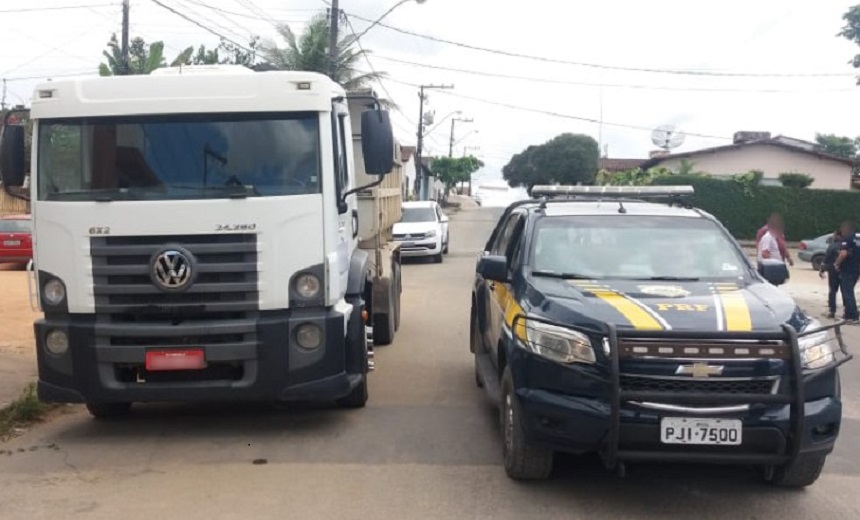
(427, 446)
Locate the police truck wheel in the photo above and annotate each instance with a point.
(475, 338)
(804, 472)
(524, 460)
(357, 398)
(108, 410)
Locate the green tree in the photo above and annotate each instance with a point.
(142, 58)
(564, 159)
(838, 145)
(310, 51)
(454, 170)
(851, 31)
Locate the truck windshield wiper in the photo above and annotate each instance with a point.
(234, 191)
(98, 195)
(563, 276)
(672, 279)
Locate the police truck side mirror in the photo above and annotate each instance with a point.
(493, 268)
(377, 142)
(12, 164)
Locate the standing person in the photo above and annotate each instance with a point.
(777, 225)
(768, 246)
(848, 266)
(828, 269)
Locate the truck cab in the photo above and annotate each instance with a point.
(196, 237)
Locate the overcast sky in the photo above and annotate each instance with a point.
(779, 37)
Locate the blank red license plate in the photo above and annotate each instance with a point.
(185, 359)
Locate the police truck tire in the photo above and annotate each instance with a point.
(108, 410)
(804, 472)
(357, 398)
(475, 338)
(524, 460)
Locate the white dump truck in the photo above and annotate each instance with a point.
(206, 234)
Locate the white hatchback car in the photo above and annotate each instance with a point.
(422, 230)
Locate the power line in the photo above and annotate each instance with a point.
(228, 30)
(602, 66)
(609, 85)
(54, 8)
(250, 5)
(198, 24)
(246, 15)
(557, 114)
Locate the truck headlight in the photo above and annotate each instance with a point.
(430, 234)
(818, 349)
(557, 343)
(57, 342)
(308, 286)
(54, 291)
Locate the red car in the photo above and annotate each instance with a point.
(16, 239)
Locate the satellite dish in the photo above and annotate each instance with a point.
(667, 137)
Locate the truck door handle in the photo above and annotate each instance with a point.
(354, 223)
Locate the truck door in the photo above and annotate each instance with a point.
(499, 294)
(347, 219)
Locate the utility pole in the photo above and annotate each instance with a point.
(465, 152)
(334, 13)
(419, 149)
(451, 142)
(124, 48)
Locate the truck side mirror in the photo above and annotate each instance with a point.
(493, 268)
(12, 165)
(377, 142)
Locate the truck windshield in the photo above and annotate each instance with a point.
(189, 156)
(635, 247)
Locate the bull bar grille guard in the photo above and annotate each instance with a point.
(612, 454)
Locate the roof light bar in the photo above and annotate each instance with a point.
(609, 192)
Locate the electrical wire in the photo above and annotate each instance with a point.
(54, 8)
(545, 59)
(607, 85)
(244, 34)
(556, 114)
(198, 24)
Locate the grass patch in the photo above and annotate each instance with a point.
(23, 411)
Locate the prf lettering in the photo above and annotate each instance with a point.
(683, 307)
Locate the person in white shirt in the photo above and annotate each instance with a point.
(769, 250)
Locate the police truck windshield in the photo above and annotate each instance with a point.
(179, 156)
(635, 247)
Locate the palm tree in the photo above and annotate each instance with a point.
(142, 58)
(309, 51)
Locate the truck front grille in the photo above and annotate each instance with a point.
(219, 308)
(712, 386)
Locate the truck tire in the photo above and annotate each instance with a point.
(357, 398)
(804, 472)
(524, 460)
(437, 259)
(398, 290)
(108, 410)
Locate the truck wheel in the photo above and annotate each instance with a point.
(524, 460)
(108, 410)
(398, 290)
(817, 262)
(437, 259)
(357, 398)
(804, 472)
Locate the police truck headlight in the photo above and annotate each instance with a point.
(54, 291)
(309, 336)
(557, 343)
(308, 286)
(818, 349)
(57, 342)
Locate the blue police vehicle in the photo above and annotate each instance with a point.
(623, 321)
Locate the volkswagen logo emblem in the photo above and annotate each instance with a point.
(172, 270)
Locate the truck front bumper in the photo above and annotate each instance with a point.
(267, 365)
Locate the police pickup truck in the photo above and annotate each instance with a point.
(606, 321)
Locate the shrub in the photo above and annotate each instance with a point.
(807, 213)
(795, 180)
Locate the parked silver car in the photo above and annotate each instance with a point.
(813, 250)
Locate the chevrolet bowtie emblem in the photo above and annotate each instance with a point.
(699, 370)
